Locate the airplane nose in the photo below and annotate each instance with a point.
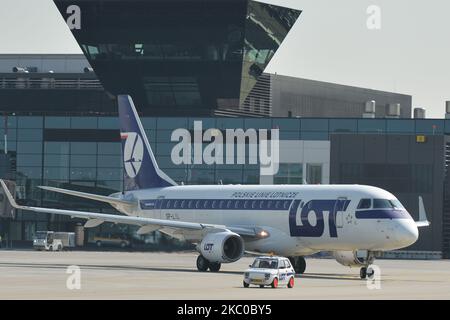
(407, 232)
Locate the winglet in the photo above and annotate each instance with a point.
(423, 221)
(9, 196)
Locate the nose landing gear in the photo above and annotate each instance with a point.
(366, 271)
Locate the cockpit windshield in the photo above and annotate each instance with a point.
(265, 264)
(387, 204)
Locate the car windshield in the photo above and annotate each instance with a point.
(265, 264)
(40, 235)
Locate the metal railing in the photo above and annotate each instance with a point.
(49, 83)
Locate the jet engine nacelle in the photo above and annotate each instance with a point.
(222, 247)
(351, 258)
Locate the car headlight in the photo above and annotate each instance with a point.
(267, 275)
(246, 274)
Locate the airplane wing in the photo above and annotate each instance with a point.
(147, 224)
(110, 200)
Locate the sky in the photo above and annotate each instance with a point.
(331, 42)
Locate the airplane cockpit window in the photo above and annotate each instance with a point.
(383, 204)
(397, 204)
(365, 204)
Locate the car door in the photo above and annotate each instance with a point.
(282, 272)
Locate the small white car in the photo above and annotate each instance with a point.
(270, 271)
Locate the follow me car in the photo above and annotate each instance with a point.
(273, 271)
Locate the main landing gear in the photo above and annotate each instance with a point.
(203, 265)
(299, 264)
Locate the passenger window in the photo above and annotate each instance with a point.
(222, 204)
(214, 203)
(183, 203)
(229, 204)
(197, 205)
(206, 204)
(191, 204)
(288, 264)
(286, 204)
(261, 204)
(236, 204)
(278, 204)
(168, 204)
(246, 204)
(176, 203)
(365, 204)
(282, 265)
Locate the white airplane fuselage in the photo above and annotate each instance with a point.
(297, 219)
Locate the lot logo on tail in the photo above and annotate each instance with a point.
(133, 153)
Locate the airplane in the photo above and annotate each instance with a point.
(355, 222)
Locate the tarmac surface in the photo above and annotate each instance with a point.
(128, 275)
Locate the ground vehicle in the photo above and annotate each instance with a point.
(53, 241)
(112, 240)
(273, 271)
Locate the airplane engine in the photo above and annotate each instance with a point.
(351, 258)
(222, 247)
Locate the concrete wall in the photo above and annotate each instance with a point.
(307, 98)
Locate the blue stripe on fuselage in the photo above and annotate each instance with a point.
(382, 214)
(216, 204)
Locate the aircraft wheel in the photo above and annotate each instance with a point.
(214, 266)
(246, 285)
(299, 264)
(370, 272)
(363, 273)
(202, 264)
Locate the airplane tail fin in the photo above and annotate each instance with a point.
(140, 168)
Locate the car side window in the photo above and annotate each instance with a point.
(287, 263)
(282, 265)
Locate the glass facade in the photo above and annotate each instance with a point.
(180, 57)
(85, 154)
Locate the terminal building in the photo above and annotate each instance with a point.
(60, 126)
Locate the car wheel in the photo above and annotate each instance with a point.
(275, 283)
(261, 286)
(98, 243)
(291, 283)
(123, 244)
(246, 285)
(59, 248)
(50, 248)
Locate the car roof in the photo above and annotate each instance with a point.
(270, 257)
